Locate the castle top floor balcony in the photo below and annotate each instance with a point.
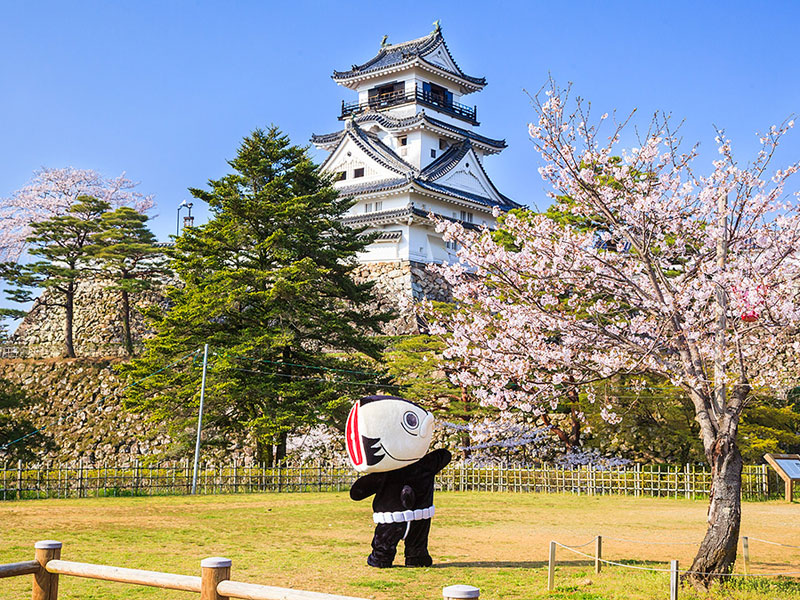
(440, 101)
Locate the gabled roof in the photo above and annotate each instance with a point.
(452, 157)
(374, 148)
(392, 56)
(431, 179)
(449, 159)
(390, 123)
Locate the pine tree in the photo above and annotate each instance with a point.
(267, 283)
(64, 244)
(125, 254)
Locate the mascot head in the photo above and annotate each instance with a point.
(385, 433)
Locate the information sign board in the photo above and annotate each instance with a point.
(788, 467)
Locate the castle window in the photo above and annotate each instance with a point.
(443, 144)
(358, 172)
(340, 176)
(433, 153)
(403, 141)
(436, 94)
(452, 245)
(466, 216)
(378, 206)
(368, 207)
(387, 95)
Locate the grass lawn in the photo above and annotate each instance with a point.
(319, 542)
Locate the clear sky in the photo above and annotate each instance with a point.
(166, 90)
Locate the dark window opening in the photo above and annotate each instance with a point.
(443, 144)
(433, 153)
(388, 94)
(358, 172)
(404, 141)
(437, 94)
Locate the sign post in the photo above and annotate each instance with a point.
(788, 467)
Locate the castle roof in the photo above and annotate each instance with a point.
(328, 141)
(397, 215)
(457, 175)
(429, 52)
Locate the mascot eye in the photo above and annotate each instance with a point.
(411, 420)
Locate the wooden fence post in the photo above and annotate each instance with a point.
(459, 591)
(551, 568)
(746, 552)
(19, 479)
(674, 580)
(45, 585)
(214, 570)
(598, 553)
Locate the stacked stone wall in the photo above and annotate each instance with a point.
(97, 323)
(397, 284)
(78, 403)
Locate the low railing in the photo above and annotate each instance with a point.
(80, 480)
(462, 111)
(213, 584)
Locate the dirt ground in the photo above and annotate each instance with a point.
(319, 542)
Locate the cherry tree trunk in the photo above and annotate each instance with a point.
(717, 552)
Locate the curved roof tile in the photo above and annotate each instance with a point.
(392, 55)
(389, 122)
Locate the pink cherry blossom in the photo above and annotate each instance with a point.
(693, 276)
(50, 192)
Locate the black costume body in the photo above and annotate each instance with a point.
(408, 488)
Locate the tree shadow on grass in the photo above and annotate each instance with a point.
(538, 564)
(492, 564)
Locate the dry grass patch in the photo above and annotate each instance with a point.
(319, 541)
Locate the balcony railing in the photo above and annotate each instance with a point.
(438, 101)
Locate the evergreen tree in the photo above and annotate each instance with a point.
(64, 244)
(124, 253)
(267, 283)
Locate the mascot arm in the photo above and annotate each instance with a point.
(367, 485)
(436, 461)
(407, 497)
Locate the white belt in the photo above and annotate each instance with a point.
(404, 516)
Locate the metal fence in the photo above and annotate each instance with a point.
(81, 480)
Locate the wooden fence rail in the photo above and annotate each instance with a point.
(18, 481)
(213, 584)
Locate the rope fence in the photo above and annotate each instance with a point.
(674, 570)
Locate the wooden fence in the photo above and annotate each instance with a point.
(213, 584)
(18, 481)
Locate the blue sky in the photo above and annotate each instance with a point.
(166, 90)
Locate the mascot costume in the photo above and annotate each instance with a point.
(388, 438)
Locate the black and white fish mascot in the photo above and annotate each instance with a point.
(388, 438)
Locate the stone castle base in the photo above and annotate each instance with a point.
(97, 323)
(98, 330)
(397, 285)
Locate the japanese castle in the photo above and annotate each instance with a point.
(409, 148)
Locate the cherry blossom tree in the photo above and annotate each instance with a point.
(688, 276)
(50, 193)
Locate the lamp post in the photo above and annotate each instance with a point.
(188, 220)
(178, 222)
